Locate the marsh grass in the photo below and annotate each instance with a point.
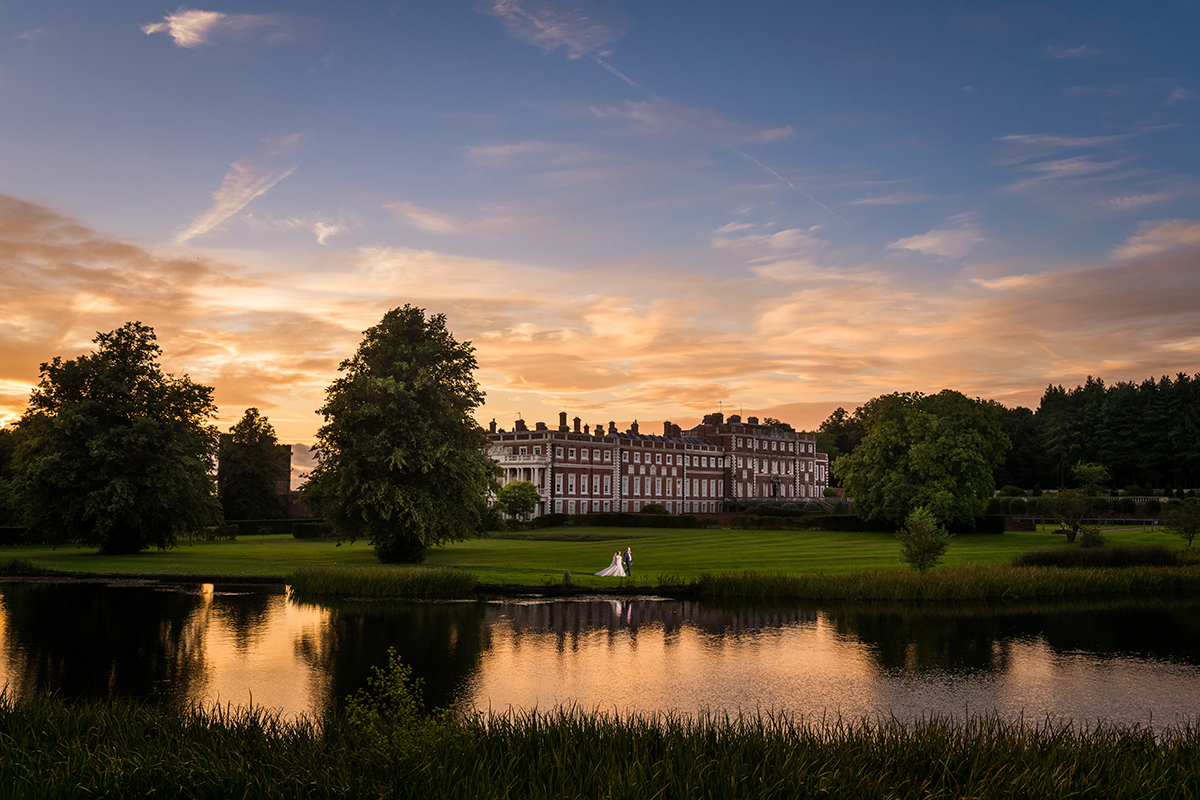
(964, 583)
(21, 566)
(1148, 555)
(50, 748)
(383, 581)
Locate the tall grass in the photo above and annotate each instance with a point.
(383, 581)
(1145, 555)
(49, 748)
(964, 583)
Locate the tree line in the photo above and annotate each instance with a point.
(1145, 434)
(114, 453)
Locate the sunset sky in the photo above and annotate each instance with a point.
(645, 210)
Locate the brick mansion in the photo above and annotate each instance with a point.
(719, 465)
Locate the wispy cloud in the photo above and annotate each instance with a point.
(953, 242)
(1054, 141)
(895, 199)
(35, 35)
(320, 227)
(660, 117)
(436, 222)
(1180, 95)
(1067, 51)
(192, 28)
(247, 179)
(581, 32)
(1155, 238)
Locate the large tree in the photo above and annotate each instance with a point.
(250, 466)
(937, 451)
(113, 452)
(400, 460)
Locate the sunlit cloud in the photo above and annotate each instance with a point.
(797, 325)
(659, 117)
(320, 227)
(895, 199)
(192, 28)
(954, 242)
(247, 179)
(1154, 238)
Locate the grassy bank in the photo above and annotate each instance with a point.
(117, 749)
(383, 581)
(962, 583)
(541, 557)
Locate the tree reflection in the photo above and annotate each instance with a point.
(89, 641)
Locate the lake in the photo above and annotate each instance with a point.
(1116, 660)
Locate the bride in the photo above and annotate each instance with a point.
(615, 570)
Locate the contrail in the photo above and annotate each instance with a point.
(789, 183)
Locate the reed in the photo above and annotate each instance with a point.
(963, 583)
(49, 748)
(383, 581)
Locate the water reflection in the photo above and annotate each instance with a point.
(1097, 659)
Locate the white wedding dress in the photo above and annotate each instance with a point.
(615, 570)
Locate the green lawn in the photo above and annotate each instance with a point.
(540, 557)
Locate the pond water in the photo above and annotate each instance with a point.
(1119, 661)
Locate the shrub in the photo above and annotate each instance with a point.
(996, 505)
(551, 520)
(1151, 507)
(1146, 555)
(1016, 506)
(1128, 505)
(654, 508)
(1091, 537)
(214, 533)
(839, 507)
(311, 530)
(923, 540)
(1045, 506)
(262, 527)
(829, 491)
(1100, 505)
(813, 508)
(1011, 491)
(1037, 491)
(792, 507)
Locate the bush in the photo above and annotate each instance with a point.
(839, 507)
(1012, 491)
(214, 533)
(311, 530)
(627, 519)
(551, 520)
(996, 505)
(1037, 491)
(1100, 505)
(1016, 506)
(654, 508)
(1090, 537)
(1045, 506)
(813, 508)
(792, 508)
(1128, 505)
(262, 527)
(923, 540)
(1146, 555)
(1151, 507)
(829, 491)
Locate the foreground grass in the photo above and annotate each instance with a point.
(51, 749)
(541, 557)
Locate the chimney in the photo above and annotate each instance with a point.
(519, 425)
(562, 420)
(676, 432)
(735, 418)
(541, 426)
(587, 430)
(612, 428)
(752, 420)
(667, 429)
(577, 420)
(598, 430)
(634, 428)
(492, 426)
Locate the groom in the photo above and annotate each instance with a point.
(627, 561)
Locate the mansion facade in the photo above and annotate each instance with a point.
(720, 465)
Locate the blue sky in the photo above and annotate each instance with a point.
(646, 210)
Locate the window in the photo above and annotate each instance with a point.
(571, 453)
(624, 485)
(658, 458)
(558, 483)
(658, 487)
(558, 452)
(637, 458)
(595, 455)
(607, 505)
(558, 506)
(595, 484)
(670, 459)
(607, 486)
(637, 486)
(625, 456)
(524, 451)
(739, 444)
(583, 454)
(607, 456)
(570, 484)
(537, 451)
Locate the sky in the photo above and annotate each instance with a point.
(650, 210)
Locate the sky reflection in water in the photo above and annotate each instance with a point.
(1087, 661)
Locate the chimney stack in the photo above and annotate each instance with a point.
(587, 430)
(492, 426)
(634, 428)
(541, 426)
(577, 420)
(519, 425)
(612, 428)
(562, 421)
(667, 429)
